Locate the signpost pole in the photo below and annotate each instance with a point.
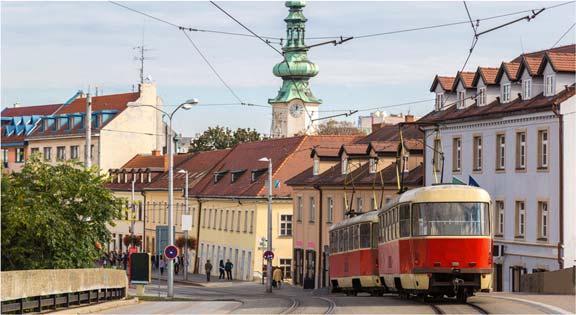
(269, 267)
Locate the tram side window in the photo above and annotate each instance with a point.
(375, 232)
(334, 242)
(404, 220)
(365, 236)
(356, 229)
(345, 239)
(341, 240)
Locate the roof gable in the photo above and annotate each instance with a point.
(445, 82)
(488, 76)
(466, 78)
(508, 68)
(560, 62)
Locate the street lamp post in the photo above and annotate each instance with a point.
(186, 105)
(269, 266)
(185, 172)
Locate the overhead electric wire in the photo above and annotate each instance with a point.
(561, 37)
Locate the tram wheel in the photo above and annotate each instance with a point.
(462, 296)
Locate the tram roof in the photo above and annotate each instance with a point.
(445, 193)
(371, 216)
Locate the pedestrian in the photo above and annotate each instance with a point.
(125, 261)
(228, 268)
(162, 266)
(176, 266)
(221, 269)
(208, 269)
(277, 277)
(154, 263)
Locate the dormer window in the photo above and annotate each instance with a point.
(527, 89)
(257, 173)
(372, 166)
(149, 177)
(219, 175)
(125, 177)
(439, 100)
(235, 175)
(506, 92)
(481, 97)
(119, 178)
(141, 177)
(344, 165)
(316, 166)
(549, 85)
(461, 99)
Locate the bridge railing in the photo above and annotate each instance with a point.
(39, 290)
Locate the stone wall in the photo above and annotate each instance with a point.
(551, 282)
(30, 283)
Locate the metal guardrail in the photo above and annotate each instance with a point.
(53, 302)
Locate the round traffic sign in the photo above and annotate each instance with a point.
(268, 255)
(171, 252)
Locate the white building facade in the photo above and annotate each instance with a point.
(519, 144)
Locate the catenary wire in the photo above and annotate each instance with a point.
(561, 37)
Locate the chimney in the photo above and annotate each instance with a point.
(17, 104)
(156, 153)
(409, 118)
(165, 162)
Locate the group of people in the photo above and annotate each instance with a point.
(114, 259)
(159, 262)
(224, 268)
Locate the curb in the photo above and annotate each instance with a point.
(97, 307)
(181, 281)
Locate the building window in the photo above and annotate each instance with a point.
(19, 155)
(245, 221)
(226, 221)
(344, 165)
(5, 158)
(299, 207)
(527, 89)
(215, 217)
(359, 204)
(312, 212)
(285, 265)
(60, 153)
(543, 149)
(478, 153)
(481, 97)
(232, 221)
(47, 153)
(285, 225)
(549, 85)
(220, 222)
(506, 92)
(34, 151)
(500, 152)
(74, 152)
(461, 99)
(344, 207)
(520, 219)
(439, 100)
(372, 167)
(521, 150)
(437, 156)
(543, 220)
(239, 220)
(456, 154)
(499, 218)
(316, 166)
(252, 221)
(330, 213)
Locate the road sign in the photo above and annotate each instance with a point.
(171, 252)
(268, 255)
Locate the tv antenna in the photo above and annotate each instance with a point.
(141, 56)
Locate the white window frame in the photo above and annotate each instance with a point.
(482, 96)
(544, 219)
(521, 150)
(61, 153)
(316, 166)
(544, 148)
(457, 154)
(501, 151)
(299, 208)
(549, 85)
(506, 90)
(500, 217)
(527, 89)
(372, 166)
(439, 100)
(20, 156)
(344, 165)
(330, 212)
(312, 210)
(461, 99)
(359, 204)
(521, 208)
(286, 227)
(477, 152)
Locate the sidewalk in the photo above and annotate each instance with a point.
(565, 302)
(198, 280)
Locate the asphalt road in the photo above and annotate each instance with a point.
(250, 298)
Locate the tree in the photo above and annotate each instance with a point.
(132, 240)
(216, 138)
(55, 216)
(334, 127)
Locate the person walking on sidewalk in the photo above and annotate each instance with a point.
(162, 266)
(228, 268)
(208, 269)
(277, 277)
(221, 269)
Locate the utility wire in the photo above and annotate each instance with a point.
(561, 37)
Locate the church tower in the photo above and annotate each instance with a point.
(295, 107)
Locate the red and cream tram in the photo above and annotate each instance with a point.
(354, 255)
(436, 241)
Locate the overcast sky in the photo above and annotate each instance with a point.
(52, 49)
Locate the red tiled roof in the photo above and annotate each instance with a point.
(511, 70)
(355, 149)
(497, 109)
(532, 64)
(325, 152)
(488, 75)
(569, 49)
(392, 133)
(145, 161)
(30, 110)
(104, 102)
(466, 78)
(445, 82)
(13, 138)
(562, 62)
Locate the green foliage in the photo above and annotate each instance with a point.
(334, 127)
(55, 216)
(222, 138)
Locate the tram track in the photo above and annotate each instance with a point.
(297, 307)
(453, 308)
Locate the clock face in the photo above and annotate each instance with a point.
(296, 109)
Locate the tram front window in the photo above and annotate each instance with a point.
(450, 218)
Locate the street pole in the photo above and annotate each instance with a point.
(269, 267)
(170, 206)
(88, 153)
(186, 232)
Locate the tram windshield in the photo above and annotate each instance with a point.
(450, 218)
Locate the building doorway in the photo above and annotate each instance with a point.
(498, 277)
(310, 279)
(516, 283)
(298, 266)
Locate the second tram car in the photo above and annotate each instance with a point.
(436, 241)
(354, 255)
